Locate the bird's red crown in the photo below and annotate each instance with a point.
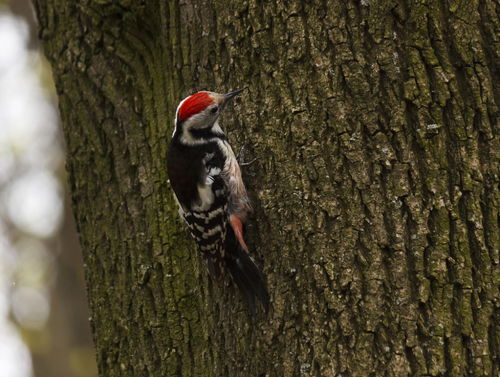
(194, 104)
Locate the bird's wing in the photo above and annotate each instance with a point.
(238, 202)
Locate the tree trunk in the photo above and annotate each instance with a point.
(374, 191)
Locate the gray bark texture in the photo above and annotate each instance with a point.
(375, 189)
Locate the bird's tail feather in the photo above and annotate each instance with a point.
(245, 273)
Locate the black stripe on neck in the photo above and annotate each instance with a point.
(205, 133)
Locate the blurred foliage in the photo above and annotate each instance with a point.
(42, 288)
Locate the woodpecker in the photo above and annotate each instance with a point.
(206, 180)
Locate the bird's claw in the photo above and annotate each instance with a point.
(240, 158)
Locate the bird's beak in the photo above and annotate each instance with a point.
(230, 95)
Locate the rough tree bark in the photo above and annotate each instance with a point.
(375, 189)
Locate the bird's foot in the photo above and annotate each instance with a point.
(241, 156)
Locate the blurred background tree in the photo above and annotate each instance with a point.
(44, 327)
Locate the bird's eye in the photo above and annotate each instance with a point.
(214, 110)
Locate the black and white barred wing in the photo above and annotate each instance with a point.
(207, 218)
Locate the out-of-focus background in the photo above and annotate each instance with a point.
(44, 327)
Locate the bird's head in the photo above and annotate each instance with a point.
(201, 110)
